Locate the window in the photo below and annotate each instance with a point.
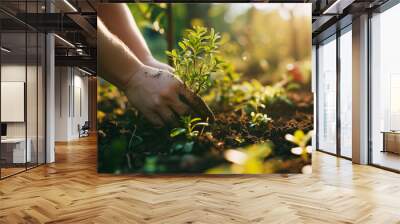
(22, 77)
(327, 96)
(385, 89)
(346, 93)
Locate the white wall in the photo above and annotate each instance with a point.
(9, 73)
(12, 73)
(80, 96)
(71, 94)
(61, 103)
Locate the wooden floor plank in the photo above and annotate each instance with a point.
(71, 191)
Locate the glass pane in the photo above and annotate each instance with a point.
(327, 96)
(346, 94)
(14, 151)
(32, 88)
(23, 87)
(41, 98)
(385, 85)
(32, 98)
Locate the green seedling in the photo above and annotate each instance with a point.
(189, 126)
(258, 119)
(196, 59)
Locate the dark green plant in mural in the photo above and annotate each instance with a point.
(197, 59)
(189, 126)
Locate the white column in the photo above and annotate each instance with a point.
(50, 92)
(50, 98)
(360, 90)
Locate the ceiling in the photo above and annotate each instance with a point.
(328, 15)
(72, 20)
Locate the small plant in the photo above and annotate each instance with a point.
(300, 139)
(253, 96)
(248, 96)
(258, 119)
(189, 125)
(222, 82)
(196, 59)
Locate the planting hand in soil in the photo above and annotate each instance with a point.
(157, 93)
(162, 98)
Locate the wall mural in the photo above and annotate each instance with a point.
(204, 88)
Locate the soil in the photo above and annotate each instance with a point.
(229, 130)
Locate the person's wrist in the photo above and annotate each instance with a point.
(149, 60)
(153, 62)
(129, 84)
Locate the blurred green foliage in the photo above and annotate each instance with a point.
(263, 41)
(151, 20)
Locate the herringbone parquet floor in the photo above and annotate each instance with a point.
(70, 191)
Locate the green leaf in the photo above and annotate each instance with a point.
(201, 124)
(177, 131)
(194, 133)
(150, 165)
(195, 119)
(188, 147)
(182, 45)
(176, 147)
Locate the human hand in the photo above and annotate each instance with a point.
(152, 62)
(162, 98)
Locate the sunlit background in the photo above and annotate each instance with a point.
(263, 41)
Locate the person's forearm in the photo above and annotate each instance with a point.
(116, 63)
(118, 19)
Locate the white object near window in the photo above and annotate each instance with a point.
(17, 146)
